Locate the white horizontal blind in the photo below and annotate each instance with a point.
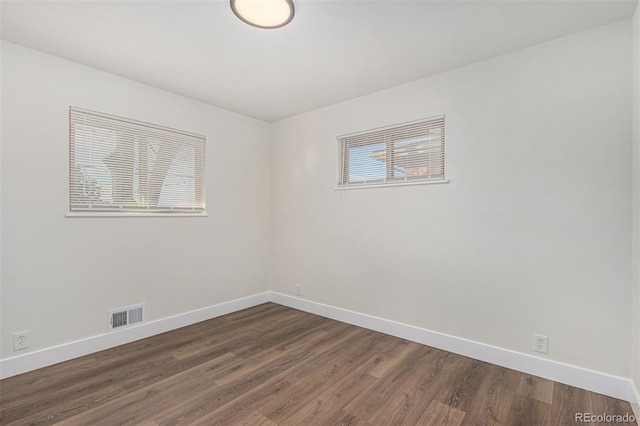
(122, 165)
(410, 152)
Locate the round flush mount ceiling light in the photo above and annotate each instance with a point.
(264, 13)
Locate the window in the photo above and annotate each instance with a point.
(402, 154)
(119, 165)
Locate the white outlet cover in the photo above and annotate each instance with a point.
(541, 343)
(20, 341)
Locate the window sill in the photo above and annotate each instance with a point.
(383, 185)
(130, 214)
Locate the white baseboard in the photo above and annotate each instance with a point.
(617, 387)
(53, 355)
(636, 405)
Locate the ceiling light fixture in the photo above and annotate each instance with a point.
(264, 13)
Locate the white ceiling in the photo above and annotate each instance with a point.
(332, 50)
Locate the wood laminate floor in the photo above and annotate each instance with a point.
(272, 365)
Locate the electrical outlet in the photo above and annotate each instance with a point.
(298, 290)
(541, 343)
(20, 341)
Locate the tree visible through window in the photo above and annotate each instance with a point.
(120, 165)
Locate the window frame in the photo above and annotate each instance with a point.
(178, 139)
(385, 135)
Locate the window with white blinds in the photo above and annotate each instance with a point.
(406, 153)
(119, 165)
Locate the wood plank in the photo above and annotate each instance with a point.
(604, 405)
(365, 405)
(209, 402)
(18, 388)
(408, 402)
(493, 396)
(260, 359)
(328, 407)
(536, 388)
(464, 385)
(440, 414)
(255, 419)
(75, 396)
(142, 404)
(389, 358)
(289, 391)
(342, 360)
(234, 332)
(525, 411)
(567, 401)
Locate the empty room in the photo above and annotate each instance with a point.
(320, 212)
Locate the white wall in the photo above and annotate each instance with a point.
(531, 235)
(636, 198)
(61, 275)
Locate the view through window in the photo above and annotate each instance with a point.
(121, 165)
(406, 153)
